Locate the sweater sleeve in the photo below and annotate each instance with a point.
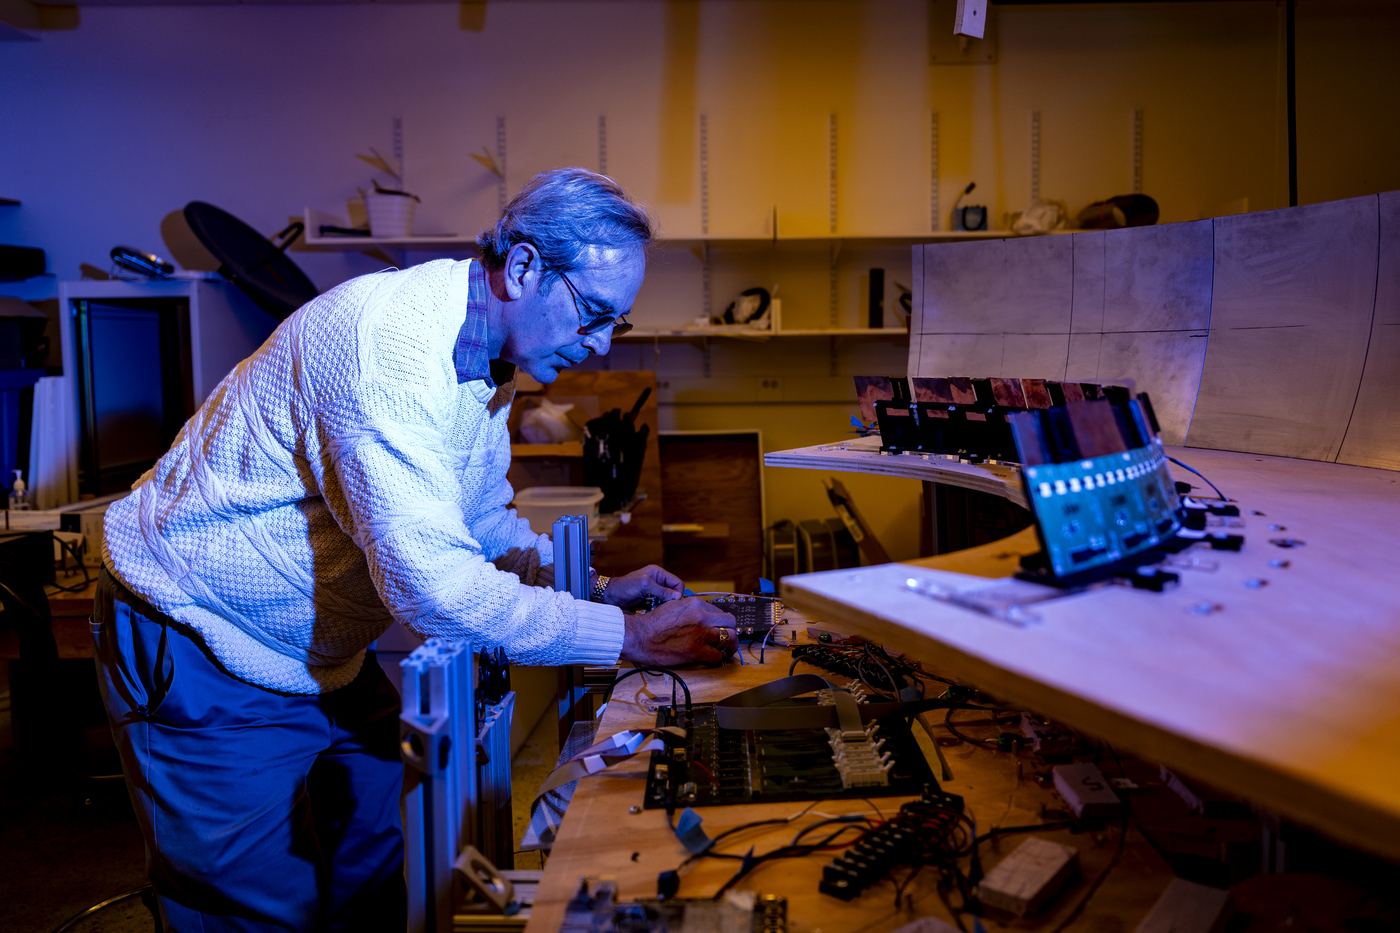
(382, 409)
(387, 460)
(505, 537)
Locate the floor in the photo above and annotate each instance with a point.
(67, 845)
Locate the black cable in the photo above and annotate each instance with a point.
(1223, 497)
(1030, 828)
(100, 905)
(77, 558)
(652, 670)
(848, 819)
(903, 885)
(948, 723)
(888, 676)
(1093, 888)
(790, 851)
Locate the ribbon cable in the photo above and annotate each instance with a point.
(612, 750)
(753, 710)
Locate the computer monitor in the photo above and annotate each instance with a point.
(1097, 481)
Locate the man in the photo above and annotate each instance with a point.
(350, 474)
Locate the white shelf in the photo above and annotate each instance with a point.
(315, 218)
(434, 241)
(939, 236)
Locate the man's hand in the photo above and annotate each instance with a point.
(679, 632)
(651, 580)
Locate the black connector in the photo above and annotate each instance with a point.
(1153, 579)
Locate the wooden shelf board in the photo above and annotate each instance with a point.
(567, 449)
(411, 242)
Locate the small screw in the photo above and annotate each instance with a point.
(634, 809)
(1277, 528)
(1205, 609)
(1287, 542)
(1277, 562)
(1255, 583)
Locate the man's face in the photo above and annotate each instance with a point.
(543, 324)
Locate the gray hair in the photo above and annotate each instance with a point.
(562, 213)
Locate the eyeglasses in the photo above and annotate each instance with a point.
(595, 322)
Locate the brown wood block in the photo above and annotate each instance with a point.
(1187, 907)
(1027, 879)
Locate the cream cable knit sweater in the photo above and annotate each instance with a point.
(340, 479)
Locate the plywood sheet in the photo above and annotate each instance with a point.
(1089, 285)
(1373, 436)
(1034, 356)
(1019, 286)
(1082, 361)
(1017, 356)
(1294, 292)
(960, 355)
(1165, 365)
(1288, 391)
(1156, 278)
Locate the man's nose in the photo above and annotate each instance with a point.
(599, 343)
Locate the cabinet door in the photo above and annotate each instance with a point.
(713, 508)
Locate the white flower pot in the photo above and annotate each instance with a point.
(390, 215)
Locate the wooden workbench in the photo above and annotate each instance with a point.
(1283, 685)
(601, 837)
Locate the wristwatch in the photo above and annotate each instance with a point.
(600, 587)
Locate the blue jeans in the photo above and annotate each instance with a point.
(260, 811)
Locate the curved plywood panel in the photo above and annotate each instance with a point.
(1294, 294)
(1250, 332)
(993, 307)
(1373, 436)
(1092, 306)
(1141, 311)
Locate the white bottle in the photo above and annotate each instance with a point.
(19, 496)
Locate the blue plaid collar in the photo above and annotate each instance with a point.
(471, 355)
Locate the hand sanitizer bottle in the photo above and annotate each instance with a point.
(19, 495)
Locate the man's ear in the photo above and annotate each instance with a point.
(522, 261)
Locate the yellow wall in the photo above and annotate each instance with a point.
(314, 84)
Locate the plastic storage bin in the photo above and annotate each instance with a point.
(541, 505)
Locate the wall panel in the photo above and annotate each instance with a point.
(1373, 436)
(1164, 364)
(1293, 298)
(1015, 286)
(1157, 278)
